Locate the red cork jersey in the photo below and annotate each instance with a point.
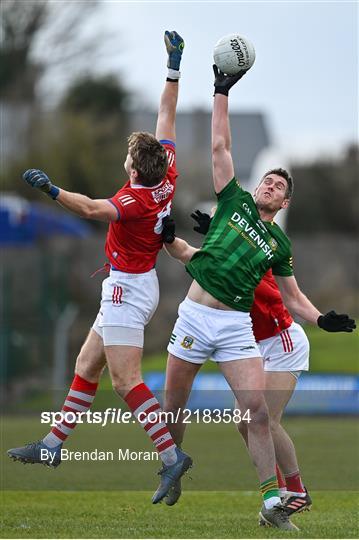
(269, 315)
(134, 240)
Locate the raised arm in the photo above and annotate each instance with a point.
(98, 209)
(222, 162)
(166, 119)
(298, 304)
(181, 250)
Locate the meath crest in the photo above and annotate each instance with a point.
(187, 342)
(273, 244)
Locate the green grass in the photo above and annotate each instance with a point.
(333, 353)
(327, 450)
(99, 514)
(113, 499)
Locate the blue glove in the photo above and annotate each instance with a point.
(174, 45)
(38, 179)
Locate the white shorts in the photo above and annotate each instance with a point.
(287, 351)
(127, 304)
(202, 332)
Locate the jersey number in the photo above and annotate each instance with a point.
(161, 215)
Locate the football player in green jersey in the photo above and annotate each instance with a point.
(242, 243)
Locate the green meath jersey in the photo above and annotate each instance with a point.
(238, 250)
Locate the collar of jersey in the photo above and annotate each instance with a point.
(138, 186)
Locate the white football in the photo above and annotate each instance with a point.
(234, 53)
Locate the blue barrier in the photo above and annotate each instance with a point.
(314, 394)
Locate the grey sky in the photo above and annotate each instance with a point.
(304, 77)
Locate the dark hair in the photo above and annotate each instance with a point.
(149, 158)
(284, 174)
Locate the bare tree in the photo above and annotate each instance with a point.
(44, 46)
(40, 39)
(20, 23)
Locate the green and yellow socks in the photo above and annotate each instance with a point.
(270, 492)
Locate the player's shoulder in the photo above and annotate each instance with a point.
(279, 242)
(130, 201)
(127, 193)
(170, 148)
(277, 231)
(232, 189)
(168, 144)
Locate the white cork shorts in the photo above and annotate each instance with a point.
(128, 303)
(287, 351)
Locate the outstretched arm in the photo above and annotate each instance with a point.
(179, 249)
(295, 300)
(166, 119)
(222, 162)
(99, 209)
(298, 304)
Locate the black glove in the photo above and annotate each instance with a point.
(223, 83)
(334, 322)
(168, 230)
(203, 220)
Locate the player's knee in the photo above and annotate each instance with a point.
(122, 384)
(259, 415)
(119, 386)
(90, 371)
(274, 424)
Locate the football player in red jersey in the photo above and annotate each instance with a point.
(130, 293)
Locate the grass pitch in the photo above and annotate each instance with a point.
(113, 499)
(225, 514)
(107, 499)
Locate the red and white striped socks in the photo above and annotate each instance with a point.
(79, 399)
(142, 402)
